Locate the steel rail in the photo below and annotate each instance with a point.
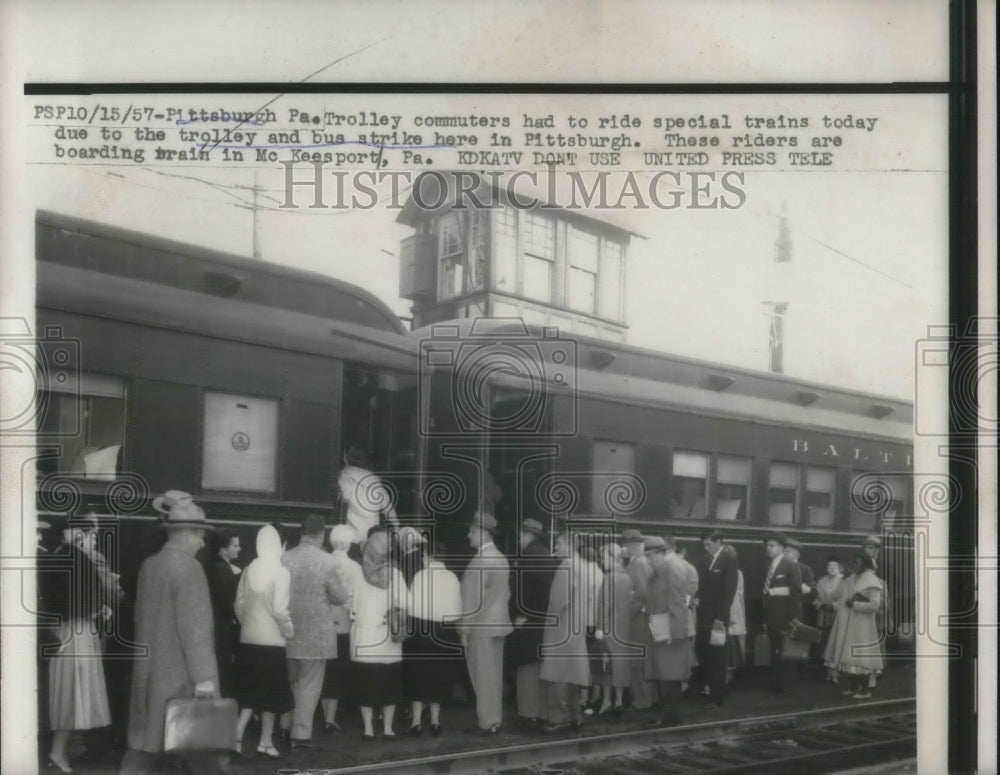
(571, 749)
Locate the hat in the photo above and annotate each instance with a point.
(170, 499)
(42, 525)
(873, 541)
(485, 520)
(655, 543)
(342, 534)
(186, 514)
(532, 526)
(793, 543)
(778, 538)
(632, 536)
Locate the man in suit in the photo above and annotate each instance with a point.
(716, 590)
(315, 594)
(782, 603)
(793, 551)
(485, 621)
(638, 569)
(530, 599)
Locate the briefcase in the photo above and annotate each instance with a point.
(200, 724)
(794, 650)
(804, 633)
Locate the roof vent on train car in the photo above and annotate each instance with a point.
(601, 359)
(223, 283)
(806, 397)
(879, 411)
(718, 382)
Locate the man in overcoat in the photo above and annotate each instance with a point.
(638, 569)
(485, 621)
(565, 660)
(316, 592)
(782, 603)
(668, 662)
(173, 619)
(717, 587)
(530, 586)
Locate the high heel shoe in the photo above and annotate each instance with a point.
(59, 766)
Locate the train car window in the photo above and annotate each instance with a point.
(820, 486)
(583, 252)
(732, 489)
(783, 491)
(240, 443)
(81, 427)
(505, 248)
(609, 295)
(450, 256)
(689, 485)
(874, 499)
(539, 256)
(610, 459)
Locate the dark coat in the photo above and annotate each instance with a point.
(809, 579)
(531, 582)
(222, 584)
(779, 610)
(716, 589)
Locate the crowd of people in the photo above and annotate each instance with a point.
(367, 613)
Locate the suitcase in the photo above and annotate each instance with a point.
(804, 633)
(762, 650)
(200, 724)
(794, 650)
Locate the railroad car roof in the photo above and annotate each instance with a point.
(619, 371)
(84, 244)
(87, 292)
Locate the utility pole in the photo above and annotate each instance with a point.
(778, 308)
(256, 215)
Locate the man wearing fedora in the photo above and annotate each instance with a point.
(782, 603)
(485, 621)
(529, 600)
(173, 620)
(639, 570)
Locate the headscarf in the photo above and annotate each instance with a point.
(375, 560)
(263, 570)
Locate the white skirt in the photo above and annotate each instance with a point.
(78, 694)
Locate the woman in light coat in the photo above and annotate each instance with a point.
(377, 655)
(853, 648)
(829, 599)
(265, 625)
(613, 628)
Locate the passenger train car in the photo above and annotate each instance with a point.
(243, 382)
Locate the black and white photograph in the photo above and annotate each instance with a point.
(531, 388)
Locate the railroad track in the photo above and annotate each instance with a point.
(790, 742)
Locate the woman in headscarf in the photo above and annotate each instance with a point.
(378, 607)
(613, 627)
(853, 648)
(265, 625)
(829, 598)
(432, 655)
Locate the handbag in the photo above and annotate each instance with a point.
(200, 724)
(803, 632)
(717, 637)
(659, 627)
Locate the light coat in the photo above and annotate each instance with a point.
(350, 573)
(639, 571)
(316, 592)
(564, 644)
(486, 595)
(853, 646)
(371, 640)
(173, 619)
(667, 593)
(613, 620)
(262, 595)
